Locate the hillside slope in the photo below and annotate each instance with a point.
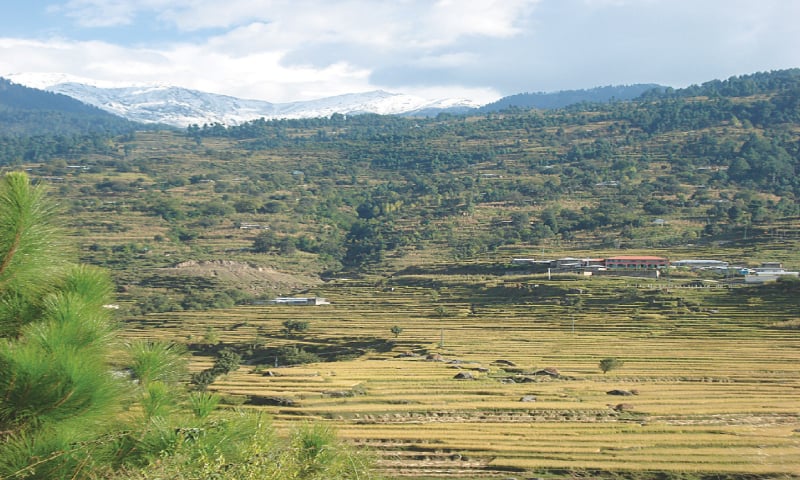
(564, 98)
(370, 194)
(28, 111)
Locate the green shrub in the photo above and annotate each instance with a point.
(294, 355)
(611, 363)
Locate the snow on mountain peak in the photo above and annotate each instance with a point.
(181, 107)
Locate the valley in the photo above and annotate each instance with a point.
(438, 353)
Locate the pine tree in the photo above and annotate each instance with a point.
(57, 393)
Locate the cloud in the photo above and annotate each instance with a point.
(248, 74)
(96, 13)
(283, 50)
(414, 22)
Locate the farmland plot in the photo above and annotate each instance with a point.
(497, 377)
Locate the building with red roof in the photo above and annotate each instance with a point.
(636, 262)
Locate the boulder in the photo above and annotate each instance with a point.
(622, 393)
(339, 393)
(549, 371)
(464, 376)
(528, 398)
(507, 363)
(434, 357)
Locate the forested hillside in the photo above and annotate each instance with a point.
(370, 193)
(566, 98)
(36, 125)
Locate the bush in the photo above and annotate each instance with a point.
(290, 327)
(294, 355)
(611, 363)
(227, 361)
(201, 380)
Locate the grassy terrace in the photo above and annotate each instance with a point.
(715, 382)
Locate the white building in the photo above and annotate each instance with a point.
(299, 301)
(769, 272)
(700, 264)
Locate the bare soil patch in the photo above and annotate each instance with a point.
(245, 275)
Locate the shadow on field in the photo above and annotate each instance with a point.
(301, 352)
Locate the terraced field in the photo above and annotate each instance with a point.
(709, 385)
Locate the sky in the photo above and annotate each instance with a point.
(291, 50)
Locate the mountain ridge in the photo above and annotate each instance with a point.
(564, 98)
(181, 107)
(161, 104)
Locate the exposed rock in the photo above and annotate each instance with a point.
(434, 357)
(549, 371)
(339, 393)
(507, 363)
(464, 376)
(407, 355)
(623, 407)
(528, 398)
(623, 393)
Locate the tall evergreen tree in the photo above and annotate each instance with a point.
(56, 390)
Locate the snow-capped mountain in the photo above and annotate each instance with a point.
(182, 107)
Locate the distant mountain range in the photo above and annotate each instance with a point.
(181, 107)
(565, 98)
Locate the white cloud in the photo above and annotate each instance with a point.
(447, 60)
(97, 13)
(415, 22)
(255, 74)
(272, 49)
(262, 75)
(452, 19)
(284, 50)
